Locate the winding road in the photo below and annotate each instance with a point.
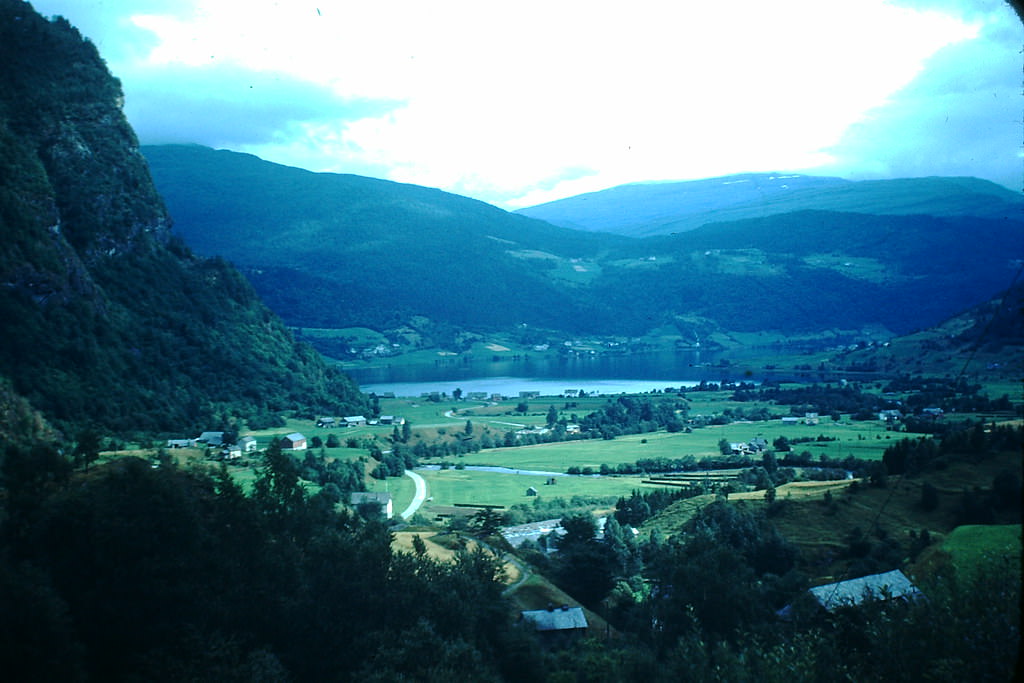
(421, 494)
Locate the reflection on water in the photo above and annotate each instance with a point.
(550, 375)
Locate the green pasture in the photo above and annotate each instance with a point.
(975, 545)
(448, 487)
(309, 429)
(864, 440)
(500, 417)
(717, 402)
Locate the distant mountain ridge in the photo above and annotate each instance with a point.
(333, 251)
(645, 209)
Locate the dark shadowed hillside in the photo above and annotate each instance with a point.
(108, 319)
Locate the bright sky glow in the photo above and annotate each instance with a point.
(517, 103)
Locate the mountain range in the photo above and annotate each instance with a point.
(644, 209)
(335, 251)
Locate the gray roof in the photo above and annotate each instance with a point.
(894, 584)
(557, 619)
(295, 436)
(369, 497)
(212, 438)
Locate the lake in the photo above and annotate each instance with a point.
(550, 375)
(511, 386)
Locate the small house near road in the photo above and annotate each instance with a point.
(370, 498)
(181, 443)
(355, 421)
(293, 442)
(248, 444)
(325, 422)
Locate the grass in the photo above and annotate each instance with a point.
(865, 440)
(402, 490)
(448, 487)
(973, 546)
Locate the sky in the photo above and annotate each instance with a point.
(521, 102)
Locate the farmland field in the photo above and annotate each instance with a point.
(449, 487)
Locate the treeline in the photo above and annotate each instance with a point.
(704, 606)
(553, 507)
(913, 456)
(825, 399)
(642, 505)
(136, 573)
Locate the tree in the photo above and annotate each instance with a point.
(486, 522)
(457, 394)
(406, 431)
(418, 545)
(724, 447)
(522, 407)
(87, 450)
(469, 428)
(552, 416)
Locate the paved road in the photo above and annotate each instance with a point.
(421, 494)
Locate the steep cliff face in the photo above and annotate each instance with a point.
(108, 319)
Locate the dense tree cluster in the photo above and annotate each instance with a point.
(635, 415)
(136, 573)
(913, 456)
(642, 505)
(825, 399)
(707, 610)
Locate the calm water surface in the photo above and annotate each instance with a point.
(604, 374)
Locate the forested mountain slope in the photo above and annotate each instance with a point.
(321, 247)
(814, 269)
(643, 209)
(109, 320)
(328, 250)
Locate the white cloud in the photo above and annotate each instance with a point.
(511, 101)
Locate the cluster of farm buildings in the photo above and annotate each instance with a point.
(294, 441)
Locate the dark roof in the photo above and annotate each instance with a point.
(212, 438)
(888, 585)
(557, 619)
